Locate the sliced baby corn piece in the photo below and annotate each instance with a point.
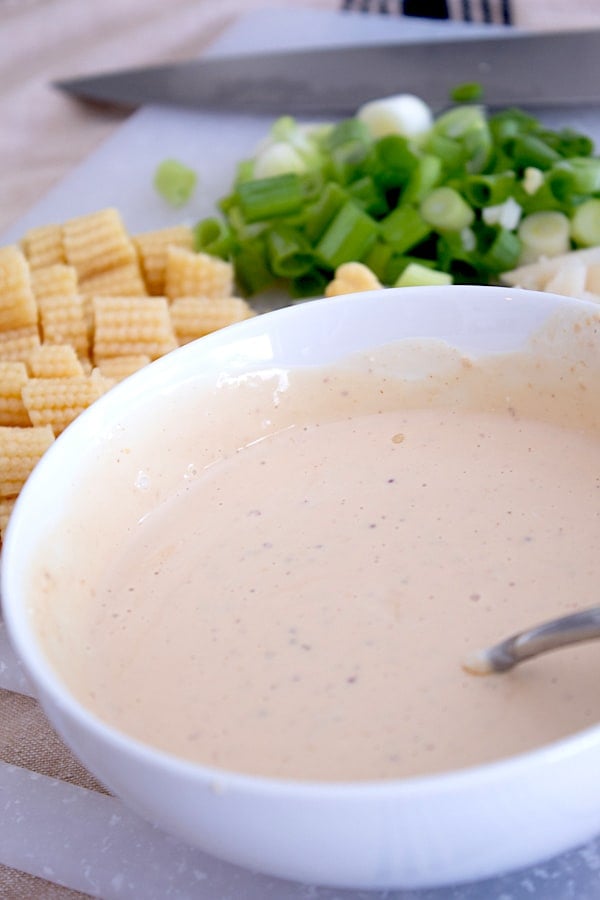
(6, 508)
(125, 326)
(54, 281)
(43, 246)
(20, 450)
(193, 317)
(17, 344)
(54, 361)
(17, 303)
(119, 367)
(13, 377)
(152, 250)
(122, 281)
(191, 274)
(96, 242)
(58, 401)
(63, 321)
(351, 277)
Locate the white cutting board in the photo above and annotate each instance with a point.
(82, 839)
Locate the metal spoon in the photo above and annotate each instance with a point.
(581, 626)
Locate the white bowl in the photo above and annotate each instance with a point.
(441, 829)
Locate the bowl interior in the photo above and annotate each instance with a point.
(145, 413)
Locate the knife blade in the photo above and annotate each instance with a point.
(526, 69)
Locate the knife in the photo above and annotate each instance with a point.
(517, 69)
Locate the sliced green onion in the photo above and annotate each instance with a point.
(489, 190)
(350, 235)
(510, 122)
(214, 237)
(395, 159)
(276, 159)
(468, 92)
(503, 253)
(348, 146)
(445, 210)
(244, 171)
(425, 175)
(311, 284)
(404, 228)
(269, 198)
(416, 275)
(578, 176)
(454, 254)
(175, 182)
(322, 211)
(251, 267)
(585, 224)
(541, 200)
(472, 196)
(448, 150)
(507, 214)
(530, 150)
(544, 234)
(569, 143)
(402, 114)
(467, 126)
(289, 254)
(368, 195)
(345, 132)
(377, 260)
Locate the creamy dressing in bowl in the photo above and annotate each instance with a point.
(299, 560)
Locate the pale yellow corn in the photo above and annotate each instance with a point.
(352, 277)
(43, 246)
(58, 401)
(17, 303)
(54, 361)
(122, 281)
(6, 508)
(20, 450)
(193, 317)
(119, 367)
(19, 343)
(54, 281)
(63, 321)
(13, 377)
(152, 249)
(96, 242)
(128, 326)
(191, 274)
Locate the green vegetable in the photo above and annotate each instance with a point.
(416, 275)
(585, 224)
(270, 198)
(467, 92)
(474, 196)
(445, 210)
(403, 228)
(544, 233)
(174, 182)
(349, 236)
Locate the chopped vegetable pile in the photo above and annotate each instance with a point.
(462, 197)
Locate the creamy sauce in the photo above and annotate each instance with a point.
(300, 605)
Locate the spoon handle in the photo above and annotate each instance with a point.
(581, 626)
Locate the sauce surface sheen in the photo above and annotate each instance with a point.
(301, 605)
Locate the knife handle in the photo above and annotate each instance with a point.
(489, 12)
